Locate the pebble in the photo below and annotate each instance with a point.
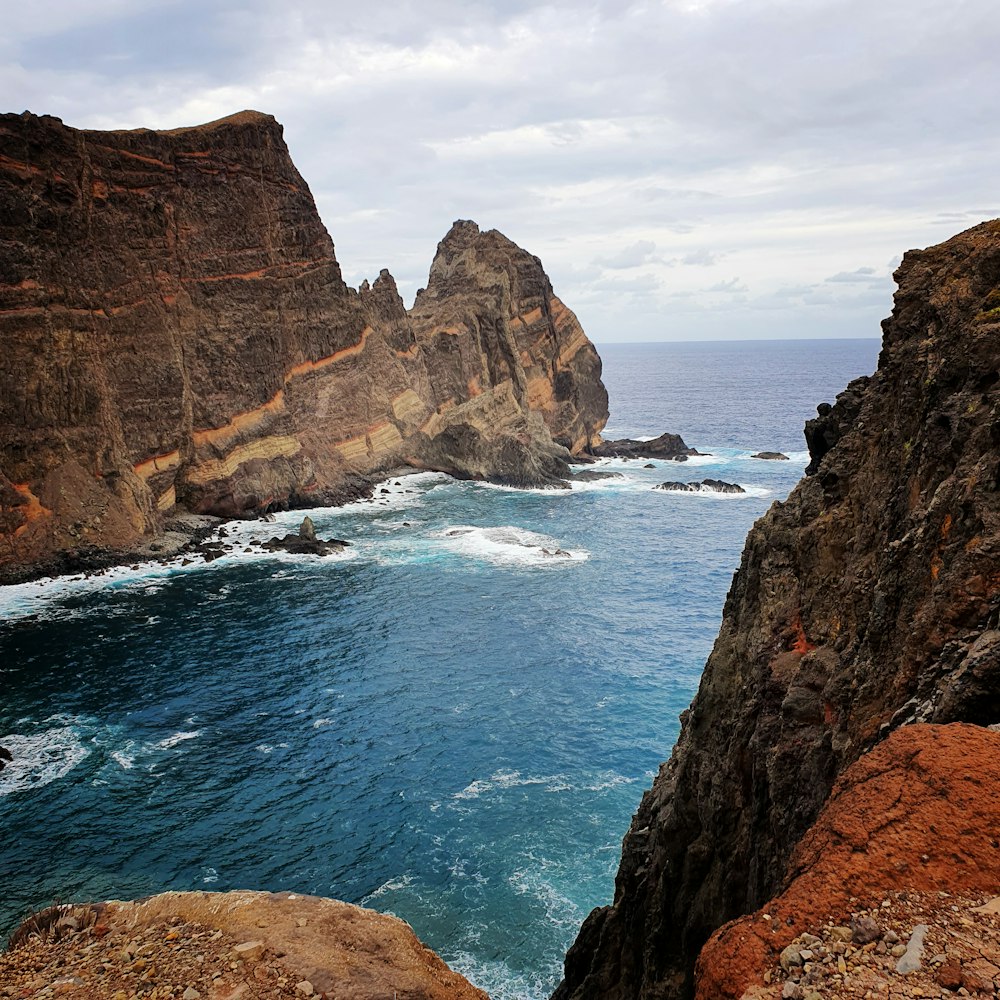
(164, 960)
(962, 936)
(249, 951)
(790, 957)
(864, 929)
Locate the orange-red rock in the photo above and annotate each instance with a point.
(920, 812)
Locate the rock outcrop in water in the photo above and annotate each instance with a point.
(705, 486)
(867, 601)
(669, 447)
(175, 333)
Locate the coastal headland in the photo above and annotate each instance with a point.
(178, 344)
(177, 337)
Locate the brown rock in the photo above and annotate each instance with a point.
(233, 945)
(249, 951)
(865, 602)
(979, 976)
(949, 975)
(175, 330)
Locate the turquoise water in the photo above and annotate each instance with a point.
(446, 723)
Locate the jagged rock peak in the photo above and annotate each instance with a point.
(175, 332)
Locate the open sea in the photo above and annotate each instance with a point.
(445, 723)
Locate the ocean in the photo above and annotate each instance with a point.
(445, 722)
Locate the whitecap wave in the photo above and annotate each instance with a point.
(507, 545)
(177, 738)
(392, 885)
(499, 980)
(501, 780)
(125, 757)
(41, 757)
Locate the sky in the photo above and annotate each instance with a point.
(685, 169)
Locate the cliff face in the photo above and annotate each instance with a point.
(175, 330)
(868, 600)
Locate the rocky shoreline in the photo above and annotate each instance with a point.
(216, 362)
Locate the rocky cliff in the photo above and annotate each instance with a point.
(869, 600)
(175, 332)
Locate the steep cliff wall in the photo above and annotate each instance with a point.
(174, 329)
(868, 600)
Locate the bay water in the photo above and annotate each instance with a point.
(446, 722)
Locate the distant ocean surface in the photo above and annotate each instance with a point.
(445, 723)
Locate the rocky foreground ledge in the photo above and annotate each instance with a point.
(893, 891)
(224, 946)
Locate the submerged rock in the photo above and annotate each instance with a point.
(303, 545)
(771, 456)
(595, 475)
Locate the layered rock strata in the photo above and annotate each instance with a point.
(175, 333)
(869, 600)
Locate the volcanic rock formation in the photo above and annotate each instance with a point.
(175, 332)
(670, 447)
(869, 600)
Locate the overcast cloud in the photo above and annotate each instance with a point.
(685, 170)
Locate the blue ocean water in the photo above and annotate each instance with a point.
(446, 723)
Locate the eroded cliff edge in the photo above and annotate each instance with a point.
(175, 331)
(226, 946)
(869, 600)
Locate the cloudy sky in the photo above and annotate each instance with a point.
(686, 169)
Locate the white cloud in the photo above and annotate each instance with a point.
(684, 141)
